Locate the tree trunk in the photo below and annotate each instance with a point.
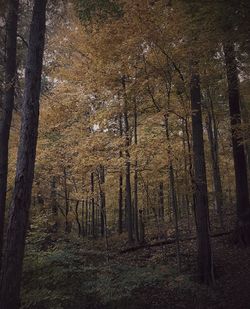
(128, 183)
(87, 218)
(53, 204)
(7, 107)
(135, 178)
(245, 118)
(92, 181)
(102, 200)
(141, 228)
(205, 263)
(188, 188)
(161, 201)
(240, 165)
(120, 210)
(213, 141)
(82, 219)
(173, 198)
(67, 227)
(19, 212)
(77, 219)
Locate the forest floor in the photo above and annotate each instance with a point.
(68, 272)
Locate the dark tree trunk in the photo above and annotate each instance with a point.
(102, 200)
(141, 228)
(245, 118)
(120, 210)
(82, 219)
(120, 219)
(77, 219)
(240, 165)
(7, 107)
(135, 179)
(19, 212)
(205, 263)
(161, 201)
(66, 197)
(173, 197)
(128, 183)
(213, 141)
(87, 218)
(53, 204)
(188, 188)
(92, 181)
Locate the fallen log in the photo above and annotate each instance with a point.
(167, 242)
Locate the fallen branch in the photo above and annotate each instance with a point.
(167, 242)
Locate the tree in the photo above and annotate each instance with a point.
(19, 212)
(240, 165)
(128, 165)
(205, 263)
(213, 141)
(7, 107)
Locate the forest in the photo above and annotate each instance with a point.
(124, 154)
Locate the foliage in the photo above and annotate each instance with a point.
(62, 274)
(101, 8)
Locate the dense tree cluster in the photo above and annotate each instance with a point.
(143, 128)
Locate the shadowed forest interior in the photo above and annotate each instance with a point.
(124, 154)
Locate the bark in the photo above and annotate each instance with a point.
(240, 165)
(102, 200)
(7, 108)
(205, 263)
(161, 201)
(82, 219)
(213, 142)
(141, 228)
(19, 212)
(92, 181)
(245, 118)
(136, 229)
(87, 218)
(128, 183)
(77, 219)
(53, 204)
(66, 198)
(120, 210)
(186, 180)
(173, 198)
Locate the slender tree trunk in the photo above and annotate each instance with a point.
(141, 228)
(102, 200)
(19, 212)
(245, 118)
(82, 219)
(67, 227)
(120, 219)
(213, 141)
(7, 108)
(135, 178)
(53, 205)
(128, 183)
(205, 263)
(77, 219)
(161, 201)
(87, 217)
(173, 194)
(92, 181)
(120, 210)
(147, 200)
(188, 188)
(240, 165)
